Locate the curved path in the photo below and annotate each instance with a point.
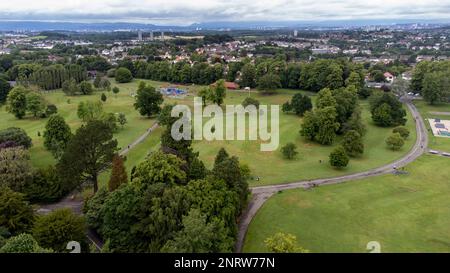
(261, 194)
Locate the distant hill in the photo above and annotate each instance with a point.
(72, 26)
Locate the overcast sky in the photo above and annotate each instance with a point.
(184, 12)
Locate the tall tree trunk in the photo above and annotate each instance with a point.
(95, 180)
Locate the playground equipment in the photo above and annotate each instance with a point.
(172, 91)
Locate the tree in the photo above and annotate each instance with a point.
(120, 211)
(382, 115)
(355, 123)
(327, 125)
(59, 227)
(103, 97)
(23, 243)
(85, 88)
(148, 100)
(4, 90)
(310, 125)
(198, 236)
(400, 86)
(355, 79)
(325, 99)
(218, 92)
(229, 170)
(204, 93)
(402, 130)
(97, 81)
(122, 119)
(89, 151)
(123, 75)
(70, 87)
(269, 83)
(250, 101)
(395, 142)
(105, 84)
(116, 90)
(90, 111)
(436, 87)
(339, 158)
(15, 168)
(16, 135)
(248, 78)
(286, 107)
(57, 135)
(353, 143)
(386, 109)
(221, 156)
(217, 201)
(289, 150)
(17, 101)
(36, 104)
(118, 173)
(92, 208)
(378, 76)
(15, 213)
(283, 243)
(51, 109)
(159, 168)
(45, 186)
(300, 104)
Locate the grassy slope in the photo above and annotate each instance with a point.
(437, 143)
(306, 166)
(40, 157)
(408, 213)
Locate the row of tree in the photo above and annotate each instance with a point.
(431, 79)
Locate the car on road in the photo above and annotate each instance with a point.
(446, 154)
(433, 152)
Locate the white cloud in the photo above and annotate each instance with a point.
(189, 11)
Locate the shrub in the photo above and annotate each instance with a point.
(289, 150)
(395, 142)
(45, 186)
(402, 130)
(123, 75)
(17, 135)
(339, 158)
(16, 214)
(23, 243)
(58, 228)
(250, 101)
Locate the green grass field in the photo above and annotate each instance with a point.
(123, 102)
(306, 166)
(407, 213)
(426, 110)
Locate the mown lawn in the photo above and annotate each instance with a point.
(406, 213)
(426, 110)
(271, 167)
(67, 108)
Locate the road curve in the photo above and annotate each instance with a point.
(261, 194)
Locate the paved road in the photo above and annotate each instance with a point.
(261, 194)
(440, 113)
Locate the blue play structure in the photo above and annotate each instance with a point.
(172, 91)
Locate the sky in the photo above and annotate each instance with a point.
(186, 12)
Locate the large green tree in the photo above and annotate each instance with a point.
(15, 168)
(17, 101)
(353, 143)
(148, 100)
(89, 151)
(57, 135)
(16, 214)
(58, 228)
